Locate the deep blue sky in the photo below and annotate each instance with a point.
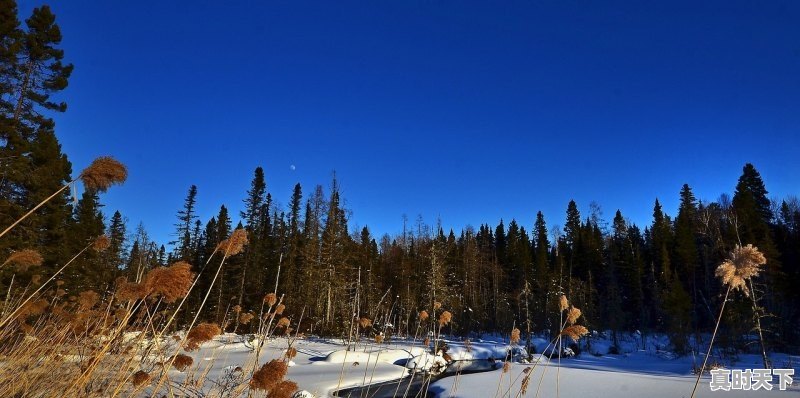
(468, 111)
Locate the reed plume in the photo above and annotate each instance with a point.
(445, 318)
(101, 243)
(563, 303)
(423, 315)
(99, 176)
(269, 375)
(575, 332)
(104, 172)
(182, 362)
(200, 334)
(170, 283)
(743, 264)
(24, 259)
(515, 336)
(270, 299)
(284, 389)
(572, 315)
(140, 379)
(235, 243)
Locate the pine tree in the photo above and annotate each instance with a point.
(186, 220)
(31, 163)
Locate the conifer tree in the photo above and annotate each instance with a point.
(186, 220)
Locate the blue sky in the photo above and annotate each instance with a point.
(460, 110)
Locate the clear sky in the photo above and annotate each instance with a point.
(467, 111)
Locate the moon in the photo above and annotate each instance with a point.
(292, 168)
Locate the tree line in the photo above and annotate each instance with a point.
(656, 278)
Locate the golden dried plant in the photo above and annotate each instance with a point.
(575, 332)
(572, 315)
(171, 283)
(270, 299)
(269, 375)
(364, 323)
(506, 367)
(283, 322)
(279, 309)
(515, 336)
(101, 243)
(742, 264)
(104, 172)
(563, 303)
(235, 243)
(423, 315)
(284, 389)
(245, 318)
(291, 352)
(237, 309)
(140, 379)
(181, 362)
(200, 334)
(379, 338)
(437, 305)
(24, 259)
(445, 318)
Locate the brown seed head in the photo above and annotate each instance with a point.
(200, 334)
(279, 309)
(237, 309)
(572, 315)
(245, 318)
(575, 332)
(515, 336)
(742, 264)
(269, 375)
(437, 305)
(24, 259)
(101, 243)
(506, 367)
(379, 338)
(270, 299)
(171, 283)
(283, 322)
(364, 323)
(445, 318)
(423, 315)
(104, 172)
(140, 379)
(291, 352)
(182, 362)
(235, 243)
(87, 299)
(563, 303)
(284, 389)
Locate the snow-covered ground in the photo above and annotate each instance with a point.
(323, 366)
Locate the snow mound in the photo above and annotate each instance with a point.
(386, 356)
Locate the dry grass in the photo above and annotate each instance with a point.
(269, 375)
(284, 389)
(445, 318)
(744, 263)
(515, 336)
(104, 172)
(24, 259)
(200, 334)
(234, 244)
(575, 332)
(182, 362)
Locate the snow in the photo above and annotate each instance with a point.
(323, 366)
